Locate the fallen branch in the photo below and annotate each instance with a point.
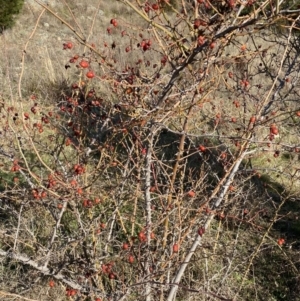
(41, 268)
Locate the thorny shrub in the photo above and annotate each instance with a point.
(140, 181)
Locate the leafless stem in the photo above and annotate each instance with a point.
(148, 206)
(198, 238)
